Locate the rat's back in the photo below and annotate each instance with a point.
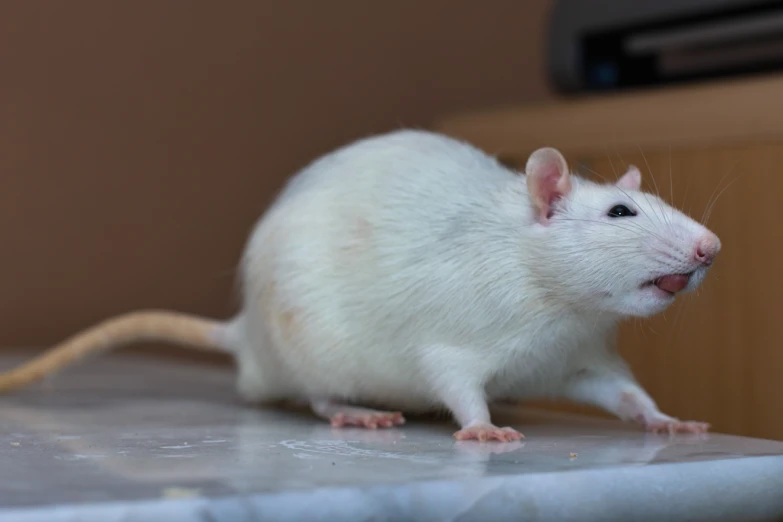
(368, 252)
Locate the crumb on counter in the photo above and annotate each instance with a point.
(180, 493)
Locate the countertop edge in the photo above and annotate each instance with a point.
(731, 489)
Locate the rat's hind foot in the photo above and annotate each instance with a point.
(342, 415)
(485, 432)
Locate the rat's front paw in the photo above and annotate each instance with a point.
(670, 425)
(486, 432)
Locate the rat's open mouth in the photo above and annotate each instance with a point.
(671, 283)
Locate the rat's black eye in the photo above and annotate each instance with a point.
(620, 211)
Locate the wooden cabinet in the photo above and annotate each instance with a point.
(717, 355)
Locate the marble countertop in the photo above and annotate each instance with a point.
(134, 438)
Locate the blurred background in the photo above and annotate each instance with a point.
(140, 141)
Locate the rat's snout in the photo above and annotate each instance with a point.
(707, 247)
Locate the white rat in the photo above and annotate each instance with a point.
(412, 272)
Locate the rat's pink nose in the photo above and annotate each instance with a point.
(706, 249)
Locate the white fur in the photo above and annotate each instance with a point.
(408, 270)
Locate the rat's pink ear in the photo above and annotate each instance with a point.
(631, 180)
(548, 180)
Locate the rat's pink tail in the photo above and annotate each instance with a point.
(152, 325)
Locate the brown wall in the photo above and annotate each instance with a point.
(140, 140)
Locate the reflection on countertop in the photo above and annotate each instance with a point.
(146, 438)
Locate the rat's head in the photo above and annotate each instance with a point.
(611, 245)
